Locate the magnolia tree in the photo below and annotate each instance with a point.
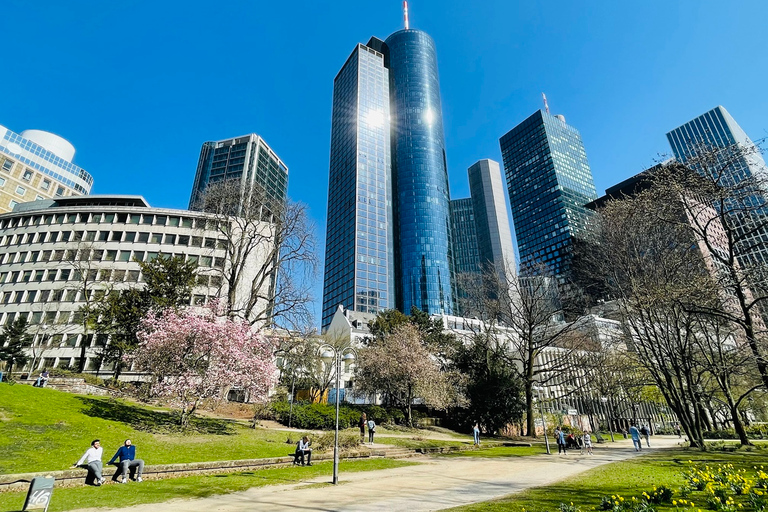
(197, 356)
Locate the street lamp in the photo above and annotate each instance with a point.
(338, 356)
(543, 423)
(604, 399)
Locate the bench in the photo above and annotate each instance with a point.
(296, 457)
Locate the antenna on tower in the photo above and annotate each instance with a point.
(546, 105)
(405, 13)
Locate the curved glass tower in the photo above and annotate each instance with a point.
(421, 177)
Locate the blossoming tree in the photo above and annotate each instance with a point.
(194, 356)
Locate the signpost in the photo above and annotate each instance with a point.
(39, 494)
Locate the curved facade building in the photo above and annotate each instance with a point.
(421, 176)
(36, 165)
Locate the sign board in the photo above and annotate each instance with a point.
(572, 412)
(39, 494)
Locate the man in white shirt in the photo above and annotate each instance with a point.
(92, 460)
(302, 449)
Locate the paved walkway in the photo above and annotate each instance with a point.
(437, 484)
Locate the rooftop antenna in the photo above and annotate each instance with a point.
(546, 105)
(405, 13)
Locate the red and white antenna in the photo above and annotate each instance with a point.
(546, 106)
(405, 13)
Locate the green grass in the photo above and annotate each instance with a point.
(627, 478)
(500, 451)
(407, 442)
(191, 487)
(46, 430)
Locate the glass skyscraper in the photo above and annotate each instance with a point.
(359, 249)
(423, 197)
(549, 182)
(388, 163)
(717, 129)
(248, 159)
(466, 254)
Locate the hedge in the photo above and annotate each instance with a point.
(323, 416)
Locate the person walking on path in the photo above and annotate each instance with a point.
(128, 464)
(635, 438)
(586, 442)
(476, 433)
(92, 460)
(303, 449)
(361, 424)
(646, 433)
(677, 431)
(560, 437)
(371, 430)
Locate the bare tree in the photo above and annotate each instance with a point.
(271, 259)
(525, 312)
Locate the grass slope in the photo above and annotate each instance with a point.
(114, 495)
(46, 430)
(627, 478)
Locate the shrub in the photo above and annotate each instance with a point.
(564, 507)
(347, 440)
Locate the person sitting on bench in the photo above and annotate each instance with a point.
(128, 464)
(302, 449)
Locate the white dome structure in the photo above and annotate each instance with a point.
(52, 142)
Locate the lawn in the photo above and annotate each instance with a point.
(628, 478)
(46, 430)
(155, 491)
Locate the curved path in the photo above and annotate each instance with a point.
(438, 483)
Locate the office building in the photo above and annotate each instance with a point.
(389, 237)
(494, 236)
(249, 161)
(466, 254)
(49, 247)
(37, 165)
(738, 160)
(359, 249)
(549, 182)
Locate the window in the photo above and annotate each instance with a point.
(8, 165)
(130, 236)
(183, 239)
(125, 256)
(2, 182)
(143, 237)
(170, 239)
(39, 198)
(59, 191)
(27, 176)
(12, 203)
(157, 238)
(46, 184)
(111, 255)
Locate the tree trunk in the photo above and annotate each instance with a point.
(530, 425)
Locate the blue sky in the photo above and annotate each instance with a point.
(137, 86)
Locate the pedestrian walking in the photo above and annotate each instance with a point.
(91, 460)
(586, 442)
(476, 433)
(678, 431)
(635, 433)
(560, 437)
(646, 433)
(371, 430)
(361, 424)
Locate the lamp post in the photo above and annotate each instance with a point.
(604, 399)
(543, 423)
(337, 356)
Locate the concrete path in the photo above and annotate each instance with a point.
(438, 483)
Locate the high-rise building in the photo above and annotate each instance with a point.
(359, 249)
(549, 182)
(37, 165)
(466, 254)
(247, 159)
(389, 236)
(494, 237)
(420, 168)
(738, 161)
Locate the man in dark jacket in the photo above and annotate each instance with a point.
(128, 463)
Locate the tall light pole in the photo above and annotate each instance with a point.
(604, 399)
(543, 423)
(337, 355)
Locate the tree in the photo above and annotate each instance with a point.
(13, 340)
(525, 312)
(271, 260)
(169, 282)
(197, 356)
(399, 366)
(304, 367)
(492, 386)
